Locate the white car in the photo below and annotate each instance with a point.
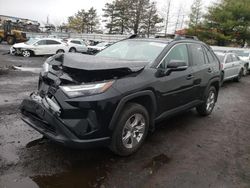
(99, 47)
(76, 45)
(243, 54)
(44, 46)
(231, 65)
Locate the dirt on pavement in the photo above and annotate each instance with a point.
(184, 151)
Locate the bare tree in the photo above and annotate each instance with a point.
(167, 16)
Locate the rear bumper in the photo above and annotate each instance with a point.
(45, 119)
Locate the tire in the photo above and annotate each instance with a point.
(245, 70)
(72, 50)
(59, 51)
(11, 40)
(128, 136)
(222, 79)
(26, 53)
(207, 107)
(238, 78)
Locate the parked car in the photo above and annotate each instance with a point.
(115, 97)
(231, 65)
(35, 46)
(243, 54)
(97, 48)
(76, 45)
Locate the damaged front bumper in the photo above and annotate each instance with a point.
(43, 114)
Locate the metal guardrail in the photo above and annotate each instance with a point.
(85, 36)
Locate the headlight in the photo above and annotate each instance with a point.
(86, 89)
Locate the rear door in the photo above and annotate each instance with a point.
(202, 69)
(237, 64)
(229, 67)
(53, 46)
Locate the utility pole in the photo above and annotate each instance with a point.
(178, 18)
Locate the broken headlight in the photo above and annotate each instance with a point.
(86, 89)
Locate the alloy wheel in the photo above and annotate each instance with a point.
(210, 101)
(133, 131)
(26, 54)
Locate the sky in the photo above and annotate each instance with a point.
(59, 10)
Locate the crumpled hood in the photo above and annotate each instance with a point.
(21, 45)
(89, 62)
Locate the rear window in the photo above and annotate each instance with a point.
(221, 57)
(197, 54)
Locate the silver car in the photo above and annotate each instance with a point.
(231, 65)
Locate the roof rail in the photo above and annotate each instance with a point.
(177, 37)
(183, 37)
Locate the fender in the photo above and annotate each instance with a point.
(215, 79)
(130, 97)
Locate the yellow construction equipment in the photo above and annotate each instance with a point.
(10, 33)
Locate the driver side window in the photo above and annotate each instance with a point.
(41, 42)
(179, 52)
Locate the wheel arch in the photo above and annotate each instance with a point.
(31, 51)
(72, 48)
(215, 82)
(144, 98)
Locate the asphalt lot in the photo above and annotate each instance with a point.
(185, 151)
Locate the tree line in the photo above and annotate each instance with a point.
(223, 23)
(120, 17)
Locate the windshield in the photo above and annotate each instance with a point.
(31, 41)
(242, 53)
(134, 50)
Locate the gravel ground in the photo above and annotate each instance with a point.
(184, 151)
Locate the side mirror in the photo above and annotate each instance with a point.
(176, 65)
(172, 66)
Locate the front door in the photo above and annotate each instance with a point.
(176, 89)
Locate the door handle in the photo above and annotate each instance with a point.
(189, 77)
(209, 70)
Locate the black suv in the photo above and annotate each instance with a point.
(115, 97)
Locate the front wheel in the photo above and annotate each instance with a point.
(72, 50)
(210, 99)
(11, 40)
(60, 51)
(26, 53)
(131, 130)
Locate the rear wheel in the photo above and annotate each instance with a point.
(210, 98)
(60, 51)
(26, 53)
(131, 130)
(238, 78)
(245, 70)
(11, 40)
